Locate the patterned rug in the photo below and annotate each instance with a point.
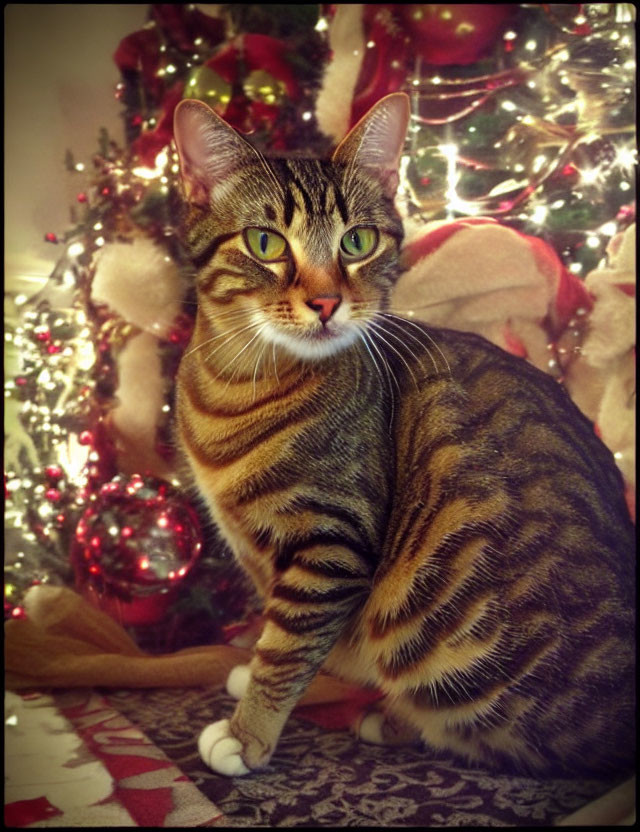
(321, 777)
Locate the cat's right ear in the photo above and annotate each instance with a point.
(209, 149)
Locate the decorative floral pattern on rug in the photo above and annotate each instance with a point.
(320, 777)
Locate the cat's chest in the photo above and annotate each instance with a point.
(301, 459)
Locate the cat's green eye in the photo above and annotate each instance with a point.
(264, 244)
(359, 241)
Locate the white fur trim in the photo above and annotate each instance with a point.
(140, 282)
(346, 40)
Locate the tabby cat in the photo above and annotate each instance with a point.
(420, 511)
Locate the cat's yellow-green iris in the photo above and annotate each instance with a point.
(359, 241)
(265, 244)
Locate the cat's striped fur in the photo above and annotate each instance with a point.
(420, 511)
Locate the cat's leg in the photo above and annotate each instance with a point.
(218, 748)
(248, 739)
(379, 726)
(304, 620)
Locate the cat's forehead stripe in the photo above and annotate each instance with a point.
(309, 203)
(309, 189)
(341, 204)
(289, 207)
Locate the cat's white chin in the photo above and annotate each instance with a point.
(316, 346)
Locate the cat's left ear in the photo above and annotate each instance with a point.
(377, 140)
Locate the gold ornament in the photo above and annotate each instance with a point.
(207, 85)
(263, 87)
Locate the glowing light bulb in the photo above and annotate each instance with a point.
(539, 214)
(539, 162)
(590, 175)
(75, 250)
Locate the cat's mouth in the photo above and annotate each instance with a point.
(312, 343)
(324, 333)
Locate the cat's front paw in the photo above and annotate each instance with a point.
(220, 750)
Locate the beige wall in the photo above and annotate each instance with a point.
(59, 85)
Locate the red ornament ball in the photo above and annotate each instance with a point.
(453, 33)
(133, 545)
(53, 472)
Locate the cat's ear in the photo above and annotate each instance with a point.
(377, 140)
(210, 150)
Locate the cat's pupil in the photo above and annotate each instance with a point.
(355, 240)
(264, 239)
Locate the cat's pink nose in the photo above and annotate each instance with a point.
(325, 306)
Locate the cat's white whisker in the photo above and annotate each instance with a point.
(238, 354)
(422, 332)
(366, 339)
(378, 329)
(235, 334)
(239, 315)
(413, 338)
(275, 363)
(259, 360)
(207, 343)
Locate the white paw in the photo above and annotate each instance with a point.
(370, 728)
(220, 750)
(238, 680)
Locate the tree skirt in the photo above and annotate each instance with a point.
(320, 776)
(71, 760)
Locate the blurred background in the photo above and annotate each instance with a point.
(59, 77)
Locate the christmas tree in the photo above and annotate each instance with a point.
(522, 126)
